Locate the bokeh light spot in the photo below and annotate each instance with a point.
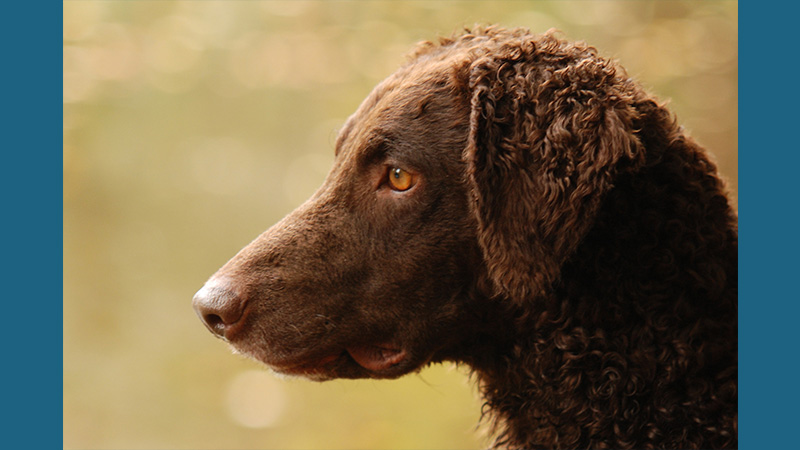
(255, 399)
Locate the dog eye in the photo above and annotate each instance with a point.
(400, 180)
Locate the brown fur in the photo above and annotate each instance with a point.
(564, 238)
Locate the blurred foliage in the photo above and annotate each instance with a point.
(190, 127)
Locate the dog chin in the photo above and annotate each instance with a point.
(318, 369)
(344, 367)
(358, 362)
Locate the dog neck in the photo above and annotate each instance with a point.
(649, 355)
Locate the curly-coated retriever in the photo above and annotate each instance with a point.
(516, 203)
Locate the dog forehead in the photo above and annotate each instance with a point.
(397, 100)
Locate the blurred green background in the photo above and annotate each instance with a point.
(191, 127)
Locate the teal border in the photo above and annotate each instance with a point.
(32, 180)
(768, 226)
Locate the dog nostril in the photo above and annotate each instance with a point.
(214, 321)
(218, 307)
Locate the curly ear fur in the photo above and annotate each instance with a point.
(630, 254)
(550, 128)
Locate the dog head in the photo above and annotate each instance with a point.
(366, 277)
(472, 172)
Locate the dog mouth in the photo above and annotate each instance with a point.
(377, 358)
(384, 360)
(316, 368)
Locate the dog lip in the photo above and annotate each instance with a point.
(377, 358)
(307, 366)
(380, 360)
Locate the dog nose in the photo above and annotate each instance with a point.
(219, 307)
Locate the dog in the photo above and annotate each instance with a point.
(516, 203)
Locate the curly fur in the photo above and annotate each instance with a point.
(610, 233)
(566, 239)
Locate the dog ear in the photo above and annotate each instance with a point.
(549, 130)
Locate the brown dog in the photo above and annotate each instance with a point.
(516, 203)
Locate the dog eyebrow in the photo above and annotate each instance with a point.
(376, 147)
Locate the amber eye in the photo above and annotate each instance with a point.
(399, 179)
